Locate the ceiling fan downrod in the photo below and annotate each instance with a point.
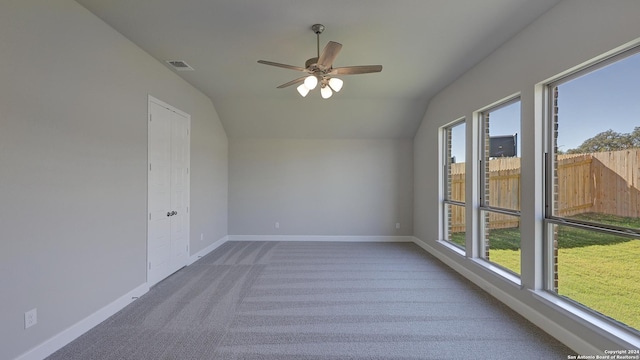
(318, 29)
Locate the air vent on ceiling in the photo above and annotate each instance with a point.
(180, 65)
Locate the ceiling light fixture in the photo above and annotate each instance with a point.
(320, 69)
(325, 91)
(303, 90)
(336, 84)
(311, 82)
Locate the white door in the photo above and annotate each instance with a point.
(179, 191)
(168, 191)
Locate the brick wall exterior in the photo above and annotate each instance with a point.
(485, 185)
(447, 208)
(554, 207)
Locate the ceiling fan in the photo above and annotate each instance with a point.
(321, 70)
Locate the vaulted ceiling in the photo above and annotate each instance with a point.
(423, 46)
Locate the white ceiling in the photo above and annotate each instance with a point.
(423, 46)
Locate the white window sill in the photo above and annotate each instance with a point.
(511, 277)
(485, 264)
(456, 249)
(597, 322)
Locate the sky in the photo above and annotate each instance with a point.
(608, 98)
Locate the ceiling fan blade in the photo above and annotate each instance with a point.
(292, 82)
(354, 70)
(329, 54)
(282, 65)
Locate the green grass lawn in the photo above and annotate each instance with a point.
(595, 269)
(605, 278)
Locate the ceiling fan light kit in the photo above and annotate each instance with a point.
(303, 90)
(326, 92)
(311, 82)
(336, 84)
(321, 70)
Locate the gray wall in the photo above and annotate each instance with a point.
(73, 154)
(345, 187)
(570, 34)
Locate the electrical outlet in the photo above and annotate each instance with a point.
(397, 225)
(277, 225)
(201, 236)
(30, 318)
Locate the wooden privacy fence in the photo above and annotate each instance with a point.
(605, 182)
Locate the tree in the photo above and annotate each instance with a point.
(634, 137)
(609, 141)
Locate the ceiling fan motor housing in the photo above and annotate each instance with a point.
(308, 63)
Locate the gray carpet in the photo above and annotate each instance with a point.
(307, 300)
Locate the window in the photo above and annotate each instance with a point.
(500, 185)
(592, 208)
(454, 183)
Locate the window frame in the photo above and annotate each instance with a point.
(549, 261)
(483, 178)
(446, 179)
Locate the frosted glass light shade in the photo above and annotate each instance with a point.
(310, 82)
(326, 92)
(336, 84)
(303, 90)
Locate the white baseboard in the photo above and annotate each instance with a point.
(66, 336)
(216, 244)
(339, 238)
(564, 335)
